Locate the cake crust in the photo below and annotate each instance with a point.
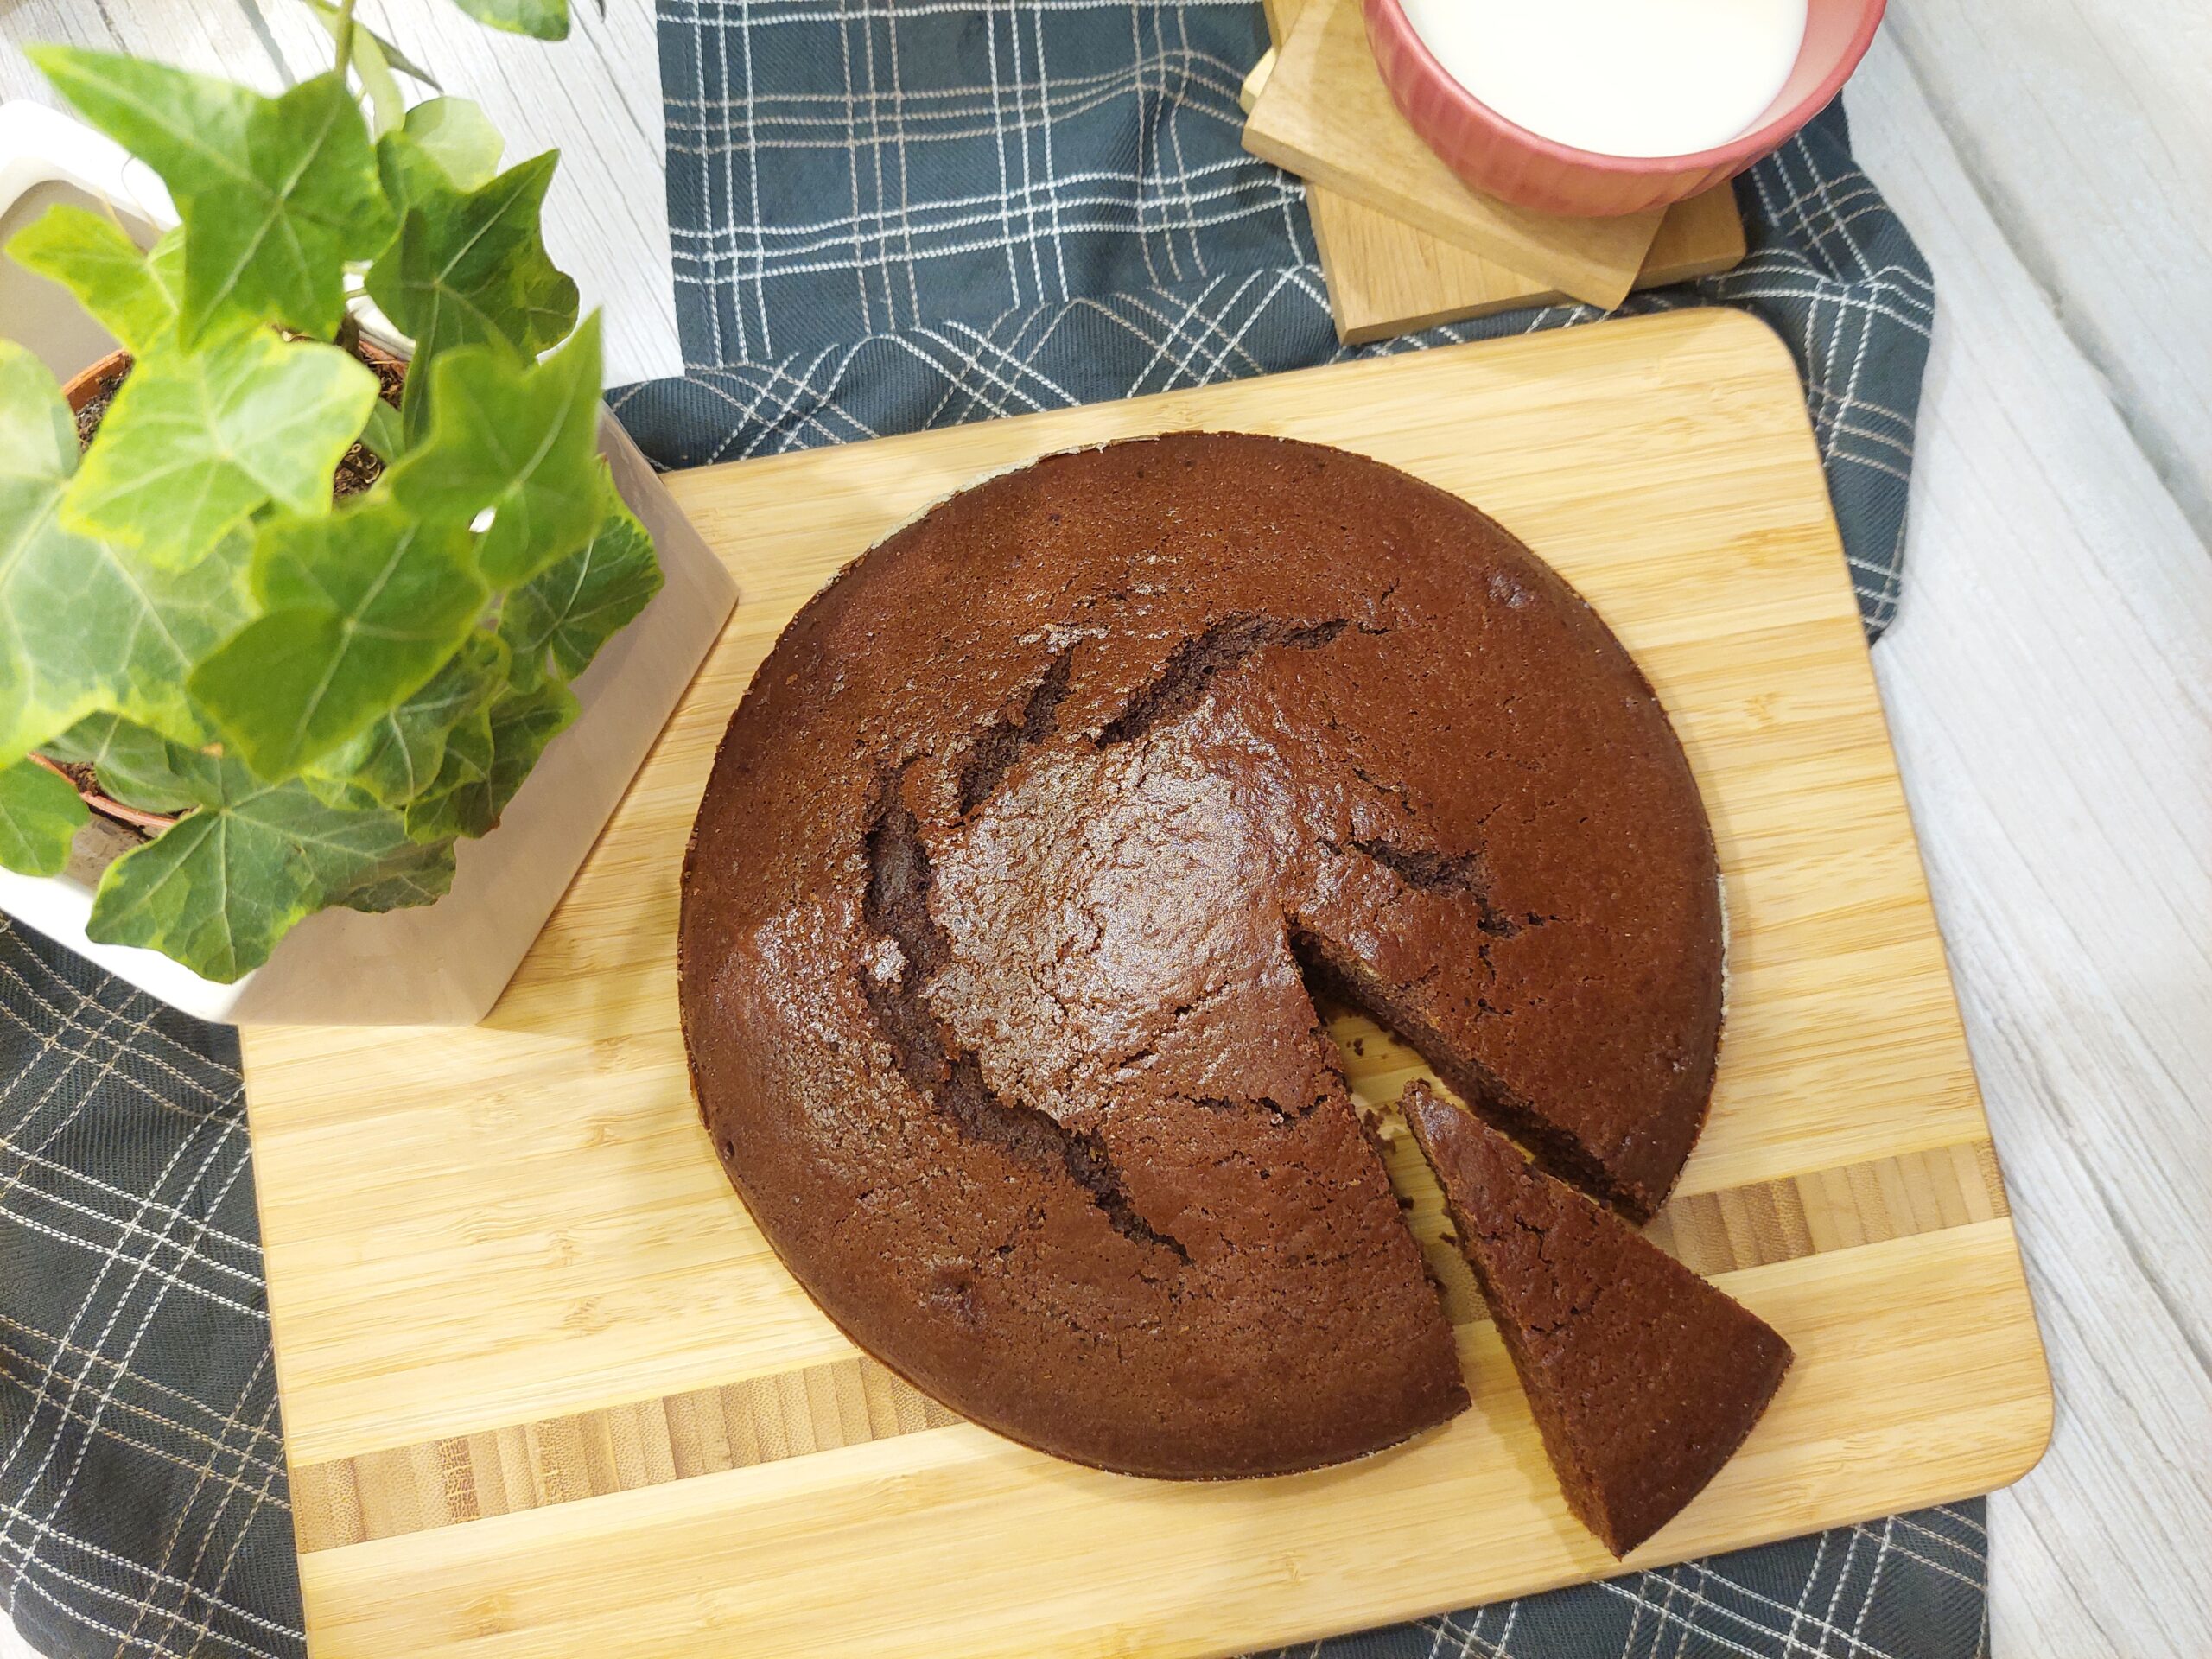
(1644, 1379)
(1006, 885)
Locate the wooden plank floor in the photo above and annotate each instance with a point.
(596, 96)
(2047, 685)
(2087, 130)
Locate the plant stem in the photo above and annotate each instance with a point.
(107, 806)
(345, 34)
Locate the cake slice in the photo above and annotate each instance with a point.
(1644, 1379)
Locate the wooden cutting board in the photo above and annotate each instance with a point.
(1326, 115)
(1387, 278)
(546, 1392)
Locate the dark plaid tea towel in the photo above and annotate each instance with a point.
(143, 1500)
(886, 215)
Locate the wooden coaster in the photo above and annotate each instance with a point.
(1388, 277)
(1249, 94)
(1326, 115)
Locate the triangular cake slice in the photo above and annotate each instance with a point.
(1644, 1379)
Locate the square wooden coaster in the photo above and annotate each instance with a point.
(1389, 277)
(1326, 115)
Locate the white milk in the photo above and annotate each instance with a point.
(1621, 77)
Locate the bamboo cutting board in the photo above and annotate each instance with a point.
(1326, 115)
(546, 1392)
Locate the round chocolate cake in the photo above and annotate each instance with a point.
(1018, 867)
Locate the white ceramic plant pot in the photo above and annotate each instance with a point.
(445, 963)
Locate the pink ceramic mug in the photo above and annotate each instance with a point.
(1499, 158)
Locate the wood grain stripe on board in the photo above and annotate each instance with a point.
(619, 1448)
(847, 1401)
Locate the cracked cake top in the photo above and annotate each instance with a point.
(1013, 872)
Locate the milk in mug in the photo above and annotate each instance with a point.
(1620, 77)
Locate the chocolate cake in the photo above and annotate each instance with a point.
(1644, 1379)
(1010, 880)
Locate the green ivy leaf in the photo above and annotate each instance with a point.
(452, 134)
(520, 441)
(218, 890)
(363, 53)
(392, 56)
(373, 59)
(424, 881)
(381, 436)
(456, 134)
(543, 20)
(275, 194)
(135, 764)
(523, 723)
(571, 609)
(195, 442)
(134, 295)
(102, 630)
(401, 755)
(93, 257)
(459, 800)
(488, 759)
(363, 606)
(38, 437)
(39, 815)
(86, 626)
(469, 267)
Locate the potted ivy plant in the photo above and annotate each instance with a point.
(287, 616)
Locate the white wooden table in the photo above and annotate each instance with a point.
(2050, 682)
